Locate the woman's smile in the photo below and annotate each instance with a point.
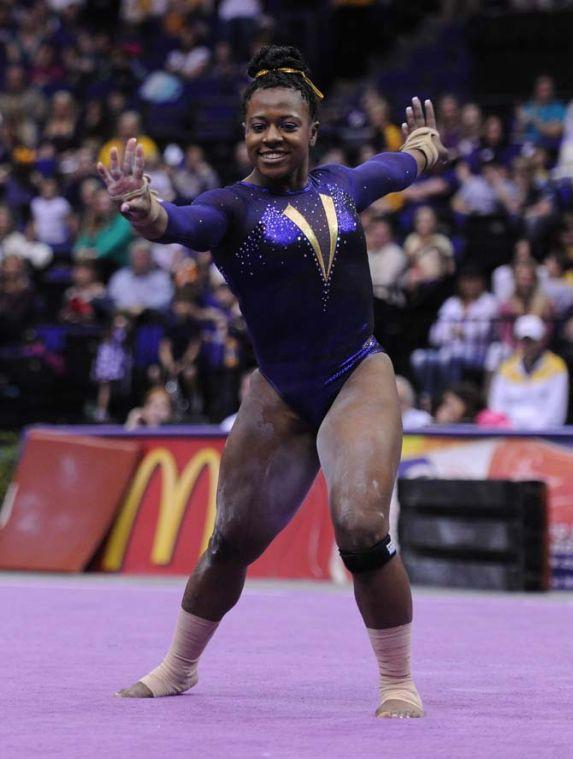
(272, 156)
(278, 136)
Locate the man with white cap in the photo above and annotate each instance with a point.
(532, 387)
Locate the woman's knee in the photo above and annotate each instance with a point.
(358, 529)
(235, 547)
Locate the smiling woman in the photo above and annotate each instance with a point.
(280, 108)
(291, 247)
(278, 134)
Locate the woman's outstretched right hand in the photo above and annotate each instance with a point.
(124, 178)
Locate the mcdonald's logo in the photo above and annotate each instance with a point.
(176, 489)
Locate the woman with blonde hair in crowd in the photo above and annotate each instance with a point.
(104, 233)
(528, 298)
(430, 254)
(61, 128)
(157, 409)
(386, 135)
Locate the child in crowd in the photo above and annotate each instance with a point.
(112, 366)
(156, 410)
(52, 217)
(85, 300)
(460, 404)
(178, 355)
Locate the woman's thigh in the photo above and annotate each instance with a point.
(268, 465)
(359, 445)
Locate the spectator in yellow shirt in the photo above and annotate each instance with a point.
(532, 387)
(129, 125)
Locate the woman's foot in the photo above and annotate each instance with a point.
(162, 681)
(138, 690)
(398, 709)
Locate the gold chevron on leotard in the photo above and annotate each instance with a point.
(332, 220)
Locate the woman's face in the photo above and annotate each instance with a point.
(5, 222)
(522, 252)
(451, 410)
(83, 276)
(448, 108)
(278, 133)
(103, 203)
(62, 105)
(157, 409)
(471, 116)
(471, 286)
(544, 89)
(493, 130)
(13, 267)
(525, 278)
(425, 222)
(378, 234)
(378, 114)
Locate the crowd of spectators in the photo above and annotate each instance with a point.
(469, 255)
(457, 260)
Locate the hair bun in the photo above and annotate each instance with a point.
(277, 56)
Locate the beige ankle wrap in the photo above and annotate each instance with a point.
(178, 670)
(393, 648)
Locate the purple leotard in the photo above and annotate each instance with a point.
(297, 263)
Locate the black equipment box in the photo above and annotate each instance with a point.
(485, 534)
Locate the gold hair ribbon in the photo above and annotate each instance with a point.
(285, 70)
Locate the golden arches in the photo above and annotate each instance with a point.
(175, 492)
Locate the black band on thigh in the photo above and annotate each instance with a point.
(369, 558)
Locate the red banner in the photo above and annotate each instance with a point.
(63, 499)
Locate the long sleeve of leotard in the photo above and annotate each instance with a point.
(381, 174)
(201, 225)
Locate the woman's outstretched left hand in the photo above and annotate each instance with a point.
(126, 177)
(416, 118)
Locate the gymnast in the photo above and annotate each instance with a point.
(289, 242)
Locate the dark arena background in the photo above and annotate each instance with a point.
(123, 364)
